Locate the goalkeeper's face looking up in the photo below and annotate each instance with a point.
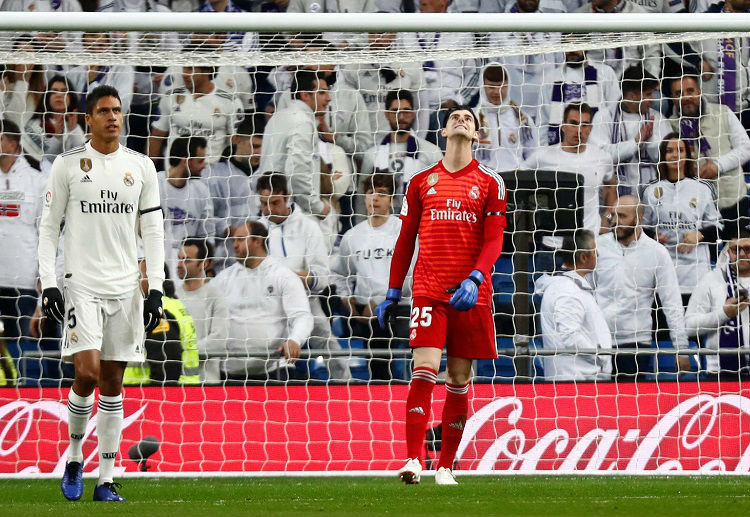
(461, 123)
(104, 119)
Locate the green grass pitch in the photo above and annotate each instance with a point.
(521, 496)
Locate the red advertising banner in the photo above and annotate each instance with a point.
(634, 428)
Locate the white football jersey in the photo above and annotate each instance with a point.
(212, 116)
(673, 209)
(101, 197)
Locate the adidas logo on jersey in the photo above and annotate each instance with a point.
(417, 409)
(432, 191)
(86, 179)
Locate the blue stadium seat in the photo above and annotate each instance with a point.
(501, 368)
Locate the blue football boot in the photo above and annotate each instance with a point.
(108, 492)
(72, 481)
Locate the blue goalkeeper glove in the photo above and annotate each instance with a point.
(465, 294)
(386, 310)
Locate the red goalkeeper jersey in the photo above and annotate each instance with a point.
(450, 210)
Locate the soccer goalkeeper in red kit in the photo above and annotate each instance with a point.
(457, 209)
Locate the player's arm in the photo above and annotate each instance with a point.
(402, 254)
(53, 211)
(466, 293)
(152, 235)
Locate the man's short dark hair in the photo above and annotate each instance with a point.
(380, 180)
(257, 230)
(10, 130)
(274, 182)
(205, 248)
(581, 241)
(185, 147)
(304, 82)
(461, 107)
(580, 107)
(398, 95)
(252, 125)
(637, 79)
(98, 93)
(495, 73)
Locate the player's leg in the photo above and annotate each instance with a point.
(455, 412)
(80, 406)
(122, 342)
(428, 325)
(471, 335)
(418, 407)
(109, 427)
(81, 343)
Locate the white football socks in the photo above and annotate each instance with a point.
(79, 412)
(108, 428)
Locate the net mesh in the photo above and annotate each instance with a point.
(213, 112)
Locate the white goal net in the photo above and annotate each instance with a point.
(638, 364)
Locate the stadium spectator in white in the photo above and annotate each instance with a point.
(631, 270)
(718, 311)
(633, 133)
(21, 195)
(726, 66)
(681, 212)
(185, 198)
(54, 126)
(205, 303)
(290, 142)
(21, 86)
(577, 80)
(199, 108)
(508, 134)
(528, 71)
(620, 58)
(363, 264)
(85, 78)
(296, 240)
(572, 323)
(269, 311)
(545, 6)
(447, 82)
(374, 80)
(722, 146)
(231, 183)
(577, 155)
(401, 153)
(345, 120)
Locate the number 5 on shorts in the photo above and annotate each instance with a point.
(425, 320)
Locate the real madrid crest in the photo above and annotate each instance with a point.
(128, 180)
(179, 99)
(693, 203)
(86, 164)
(658, 192)
(432, 179)
(474, 192)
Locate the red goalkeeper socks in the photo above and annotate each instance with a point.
(455, 412)
(418, 409)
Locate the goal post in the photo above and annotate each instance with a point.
(202, 94)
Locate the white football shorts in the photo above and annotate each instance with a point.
(114, 326)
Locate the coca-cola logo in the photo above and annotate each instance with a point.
(692, 423)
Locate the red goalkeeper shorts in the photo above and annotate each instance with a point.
(469, 334)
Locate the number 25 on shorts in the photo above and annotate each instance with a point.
(420, 320)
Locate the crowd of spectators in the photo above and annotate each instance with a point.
(280, 184)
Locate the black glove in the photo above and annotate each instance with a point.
(53, 304)
(387, 74)
(152, 311)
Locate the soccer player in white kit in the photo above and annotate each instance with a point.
(105, 192)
